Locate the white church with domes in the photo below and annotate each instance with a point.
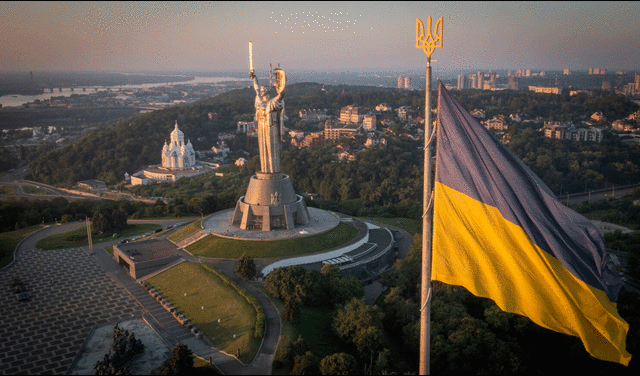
(178, 161)
(177, 155)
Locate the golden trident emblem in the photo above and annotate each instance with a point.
(431, 41)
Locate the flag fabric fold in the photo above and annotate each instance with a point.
(499, 232)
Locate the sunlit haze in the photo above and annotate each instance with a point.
(319, 36)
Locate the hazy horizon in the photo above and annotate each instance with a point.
(154, 37)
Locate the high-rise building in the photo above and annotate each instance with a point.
(490, 81)
(480, 81)
(407, 83)
(462, 81)
(512, 83)
(400, 82)
(473, 78)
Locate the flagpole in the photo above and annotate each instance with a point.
(428, 43)
(427, 219)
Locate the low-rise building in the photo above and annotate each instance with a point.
(94, 185)
(246, 126)
(146, 256)
(624, 125)
(351, 114)
(383, 107)
(405, 113)
(221, 149)
(296, 134)
(369, 122)
(546, 89)
(568, 131)
(313, 115)
(334, 131)
(313, 139)
(496, 123)
(635, 116)
(598, 116)
(373, 141)
(478, 113)
(516, 117)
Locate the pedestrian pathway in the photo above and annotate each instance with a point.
(192, 238)
(170, 330)
(360, 240)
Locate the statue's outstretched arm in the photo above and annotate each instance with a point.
(256, 86)
(281, 82)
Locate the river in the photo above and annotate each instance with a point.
(19, 100)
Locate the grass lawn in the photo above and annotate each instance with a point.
(186, 231)
(7, 190)
(412, 226)
(9, 241)
(29, 189)
(220, 301)
(78, 238)
(218, 247)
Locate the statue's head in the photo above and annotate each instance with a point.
(264, 92)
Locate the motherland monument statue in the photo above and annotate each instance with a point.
(270, 202)
(270, 117)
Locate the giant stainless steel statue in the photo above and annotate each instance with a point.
(270, 117)
(271, 202)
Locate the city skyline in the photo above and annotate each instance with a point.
(319, 36)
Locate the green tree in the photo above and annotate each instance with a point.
(100, 222)
(292, 310)
(360, 324)
(345, 289)
(306, 364)
(287, 283)
(245, 267)
(180, 362)
(339, 364)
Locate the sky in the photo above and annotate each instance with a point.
(316, 36)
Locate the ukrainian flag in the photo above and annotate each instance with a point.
(499, 232)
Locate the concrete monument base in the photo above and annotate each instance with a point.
(270, 204)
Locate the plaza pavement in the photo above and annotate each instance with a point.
(69, 295)
(73, 291)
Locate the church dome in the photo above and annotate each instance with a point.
(177, 136)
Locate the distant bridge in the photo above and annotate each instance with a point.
(598, 194)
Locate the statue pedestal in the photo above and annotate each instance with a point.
(270, 204)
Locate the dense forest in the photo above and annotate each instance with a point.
(469, 335)
(382, 181)
(107, 153)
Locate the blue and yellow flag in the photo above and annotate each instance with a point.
(499, 231)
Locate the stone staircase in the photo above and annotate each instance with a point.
(192, 238)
